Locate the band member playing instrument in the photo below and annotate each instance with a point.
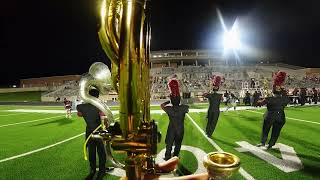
(176, 114)
(232, 102)
(92, 117)
(274, 116)
(214, 105)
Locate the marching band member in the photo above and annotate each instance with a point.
(67, 107)
(214, 105)
(274, 116)
(176, 114)
(232, 102)
(92, 117)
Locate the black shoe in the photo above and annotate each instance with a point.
(90, 176)
(269, 146)
(166, 158)
(261, 144)
(108, 169)
(100, 175)
(175, 155)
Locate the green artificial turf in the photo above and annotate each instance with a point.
(65, 161)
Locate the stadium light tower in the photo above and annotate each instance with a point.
(231, 38)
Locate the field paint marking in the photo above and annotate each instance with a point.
(156, 111)
(39, 111)
(294, 119)
(1, 115)
(290, 162)
(40, 149)
(244, 173)
(42, 119)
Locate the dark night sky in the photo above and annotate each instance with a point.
(59, 37)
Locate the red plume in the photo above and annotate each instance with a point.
(174, 87)
(216, 81)
(279, 78)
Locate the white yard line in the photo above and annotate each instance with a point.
(1, 115)
(294, 119)
(24, 122)
(40, 149)
(244, 173)
(39, 111)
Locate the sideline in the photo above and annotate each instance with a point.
(294, 119)
(25, 122)
(40, 149)
(244, 173)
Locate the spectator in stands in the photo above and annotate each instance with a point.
(252, 84)
(92, 117)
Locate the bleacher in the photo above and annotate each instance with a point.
(197, 79)
(69, 89)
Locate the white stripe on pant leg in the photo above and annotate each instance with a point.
(244, 173)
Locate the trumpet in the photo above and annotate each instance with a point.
(124, 33)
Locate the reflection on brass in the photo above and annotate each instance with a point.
(124, 33)
(221, 165)
(99, 78)
(125, 37)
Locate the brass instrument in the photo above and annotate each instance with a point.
(221, 165)
(266, 88)
(124, 33)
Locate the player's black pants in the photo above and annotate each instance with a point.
(315, 99)
(213, 117)
(302, 100)
(276, 120)
(174, 136)
(96, 145)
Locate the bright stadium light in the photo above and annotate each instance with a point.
(231, 40)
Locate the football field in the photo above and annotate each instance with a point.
(38, 142)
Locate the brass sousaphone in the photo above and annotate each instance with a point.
(124, 33)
